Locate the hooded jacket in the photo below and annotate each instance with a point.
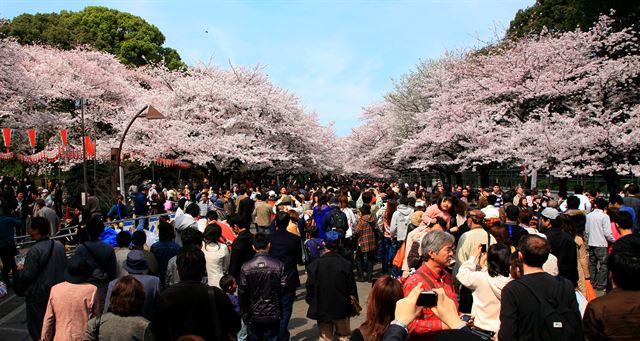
(579, 218)
(186, 221)
(400, 221)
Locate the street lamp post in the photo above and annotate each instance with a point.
(151, 114)
(85, 187)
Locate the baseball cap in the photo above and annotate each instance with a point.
(550, 213)
(331, 236)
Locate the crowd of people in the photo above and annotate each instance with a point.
(506, 265)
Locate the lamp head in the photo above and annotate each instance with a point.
(153, 114)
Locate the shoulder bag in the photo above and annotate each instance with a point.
(355, 306)
(214, 312)
(398, 259)
(100, 273)
(20, 288)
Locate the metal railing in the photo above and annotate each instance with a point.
(71, 231)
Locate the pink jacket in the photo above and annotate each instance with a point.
(70, 307)
(433, 212)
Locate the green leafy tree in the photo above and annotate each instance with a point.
(133, 40)
(567, 15)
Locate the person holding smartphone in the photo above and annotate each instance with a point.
(445, 309)
(437, 250)
(485, 273)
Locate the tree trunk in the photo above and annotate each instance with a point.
(216, 177)
(485, 180)
(613, 180)
(447, 186)
(443, 178)
(459, 179)
(563, 184)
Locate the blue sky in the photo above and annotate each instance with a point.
(336, 56)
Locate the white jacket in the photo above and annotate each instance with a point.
(400, 221)
(487, 292)
(217, 256)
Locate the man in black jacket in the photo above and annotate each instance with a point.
(260, 286)
(512, 226)
(562, 245)
(330, 285)
(245, 207)
(43, 268)
(100, 257)
(286, 247)
(193, 308)
(241, 249)
(335, 218)
(521, 299)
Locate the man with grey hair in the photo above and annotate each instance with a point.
(437, 250)
(49, 214)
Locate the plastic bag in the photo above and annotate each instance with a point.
(3, 289)
(109, 236)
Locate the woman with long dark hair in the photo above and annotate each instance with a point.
(568, 225)
(523, 203)
(216, 253)
(384, 223)
(487, 283)
(386, 291)
(390, 208)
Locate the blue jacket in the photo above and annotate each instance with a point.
(140, 207)
(318, 217)
(8, 225)
(118, 211)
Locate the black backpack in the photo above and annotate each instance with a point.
(555, 321)
(336, 219)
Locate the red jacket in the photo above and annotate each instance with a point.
(427, 325)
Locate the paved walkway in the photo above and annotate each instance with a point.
(13, 319)
(302, 328)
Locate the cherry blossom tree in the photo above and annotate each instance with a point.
(236, 116)
(566, 103)
(594, 130)
(39, 87)
(224, 118)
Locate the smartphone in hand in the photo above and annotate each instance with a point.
(427, 299)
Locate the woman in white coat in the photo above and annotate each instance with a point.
(486, 281)
(216, 253)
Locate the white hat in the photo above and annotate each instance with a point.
(550, 213)
(491, 213)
